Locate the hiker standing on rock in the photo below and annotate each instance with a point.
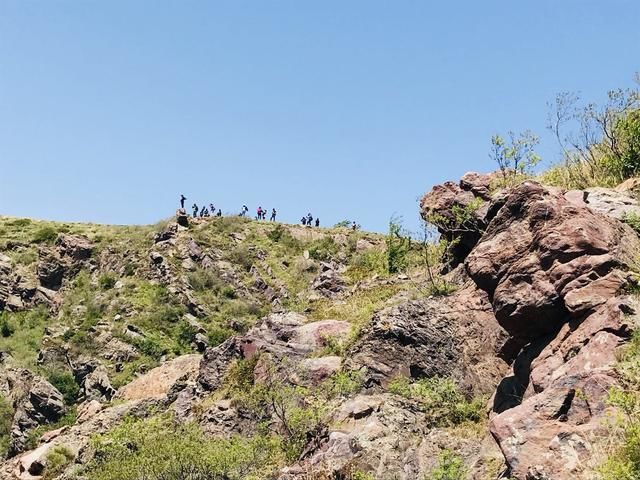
(195, 210)
(244, 211)
(273, 215)
(219, 214)
(182, 199)
(317, 222)
(354, 227)
(303, 220)
(309, 219)
(259, 213)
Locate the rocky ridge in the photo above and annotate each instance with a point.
(542, 305)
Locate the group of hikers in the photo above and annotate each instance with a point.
(261, 213)
(308, 220)
(205, 211)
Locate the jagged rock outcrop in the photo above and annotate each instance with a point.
(287, 338)
(388, 437)
(459, 210)
(69, 254)
(554, 265)
(455, 336)
(18, 292)
(35, 402)
(543, 259)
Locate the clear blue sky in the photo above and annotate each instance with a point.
(346, 108)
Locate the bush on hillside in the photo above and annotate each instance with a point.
(515, 157)
(6, 420)
(46, 234)
(444, 403)
(600, 144)
(450, 467)
(159, 449)
(623, 453)
(66, 384)
(107, 281)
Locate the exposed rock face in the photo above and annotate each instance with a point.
(564, 408)
(329, 282)
(157, 383)
(543, 259)
(454, 336)
(443, 205)
(388, 438)
(36, 402)
(554, 265)
(285, 337)
(70, 253)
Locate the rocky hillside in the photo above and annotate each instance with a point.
(224, 348)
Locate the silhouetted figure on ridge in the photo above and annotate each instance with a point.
(182, 199)
(219, 214)
(273, 215)
(317, 222)
(303, 220)
(195, 210)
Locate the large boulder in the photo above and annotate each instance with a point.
(458, 210)
(69, 254)
(554, 432)
(455, 336)
(544, 259)
(159, 382)
(35, 401)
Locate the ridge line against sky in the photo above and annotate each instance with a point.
(349, 110)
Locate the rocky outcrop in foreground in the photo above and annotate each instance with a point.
(555, 268)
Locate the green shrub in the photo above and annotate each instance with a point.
(6, 420)
(442, 400)
(46, 234)
(218, 335)
(623, 460)
(367, 264)
(295, 411)
(283, 237)
(398, 246)
(228, 292)
(186, 333)
(6, 326)
(152, 347)
(323, 249)
(66, 384)
(450, 467)
(203, 279)
(25, 341)
(344, 383)
(57, 460)
(107, 281)
(242, 256)
(277, 233)
(158, 449)
(633, 220)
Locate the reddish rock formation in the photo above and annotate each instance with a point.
(554, 266)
